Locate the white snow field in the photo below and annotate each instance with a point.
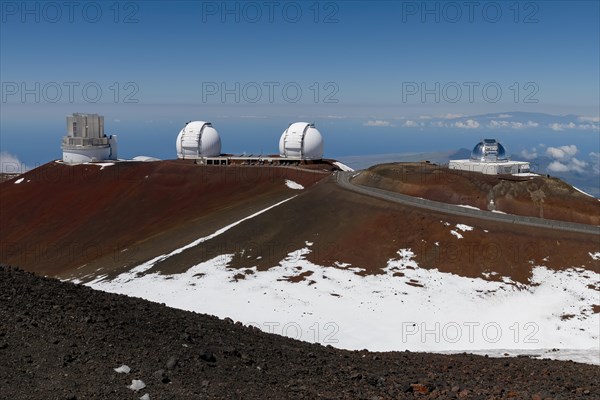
(407, 307)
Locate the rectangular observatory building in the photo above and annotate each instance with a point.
(85, 140)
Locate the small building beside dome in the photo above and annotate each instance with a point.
(301, 140)
(490, 157)
(197, 140)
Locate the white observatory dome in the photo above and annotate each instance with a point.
(198, 139)
(301, 140)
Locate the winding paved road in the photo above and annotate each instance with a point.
(343, 179)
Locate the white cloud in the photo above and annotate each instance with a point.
(571, 125)
(498, 124)
(595, 162)
(573, 165)
(452, 116)
(556, 127)
(561, 127)
(10, 164)
(439, 124)
(586, 127)
(529, 155)
(578, 165)
(504, 116)
(425, 117)
(588, 119)
(511, 124)
(411, 124)
(557, 166)
(379, 122)
(468, 124)
(565, 161)
(562, 152)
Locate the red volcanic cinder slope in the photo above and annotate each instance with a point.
(534, 196)
(59, 217)
(89, 220)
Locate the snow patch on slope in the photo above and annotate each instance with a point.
(467, 206)
(581, 191)
(103, 165)
(405, 307)
(461, 227)
(464, 227)
(458, 235)
(133, 273)
(343, 166)
(293, 185)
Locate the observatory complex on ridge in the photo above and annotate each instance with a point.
(489, 157)
(85, 140)
(300, 143)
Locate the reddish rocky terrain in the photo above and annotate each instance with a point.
(6, 177)
(63, 216)
(82, 221)
(537, 196)
(59, 340)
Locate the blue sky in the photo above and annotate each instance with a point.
(361, 68)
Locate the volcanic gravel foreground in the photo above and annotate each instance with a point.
(59, 340)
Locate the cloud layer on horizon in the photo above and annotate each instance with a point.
(524, 121)
(10, 164)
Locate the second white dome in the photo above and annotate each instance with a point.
(301, 140)
(198, 139)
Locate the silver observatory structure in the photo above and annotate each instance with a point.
(85, 140)
(489, 157)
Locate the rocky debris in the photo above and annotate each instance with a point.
(172, 363)
(137, 384)
(51, 350)
(123, 369)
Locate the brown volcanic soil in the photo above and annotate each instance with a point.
(366, 232)
(62, 341)
(6, 177)
(118, 217)
(62, 217)
(538, 196)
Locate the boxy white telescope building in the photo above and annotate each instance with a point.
(489, 157)
(85, 140)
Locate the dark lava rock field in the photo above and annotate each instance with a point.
(59, 340)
